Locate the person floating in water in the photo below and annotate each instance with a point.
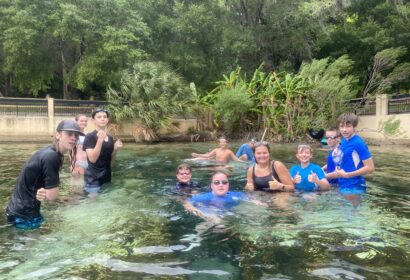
(357, 161)
(39, 179)
(245, 152)
(335, 155)
(184, 184)
(101, 151)
(212, 205)
(308, 176)
(221, 154)
(81, 156)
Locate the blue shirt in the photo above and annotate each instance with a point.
(305, 185)
(354, 152)
(246, 149)
(334, 159)
(225, 202)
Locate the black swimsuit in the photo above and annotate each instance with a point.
(262, 183)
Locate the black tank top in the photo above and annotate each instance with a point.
(262, 183)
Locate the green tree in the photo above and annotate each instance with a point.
(150, 94)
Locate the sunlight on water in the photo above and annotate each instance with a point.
(137, 227)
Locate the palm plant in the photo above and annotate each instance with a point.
(150, 94)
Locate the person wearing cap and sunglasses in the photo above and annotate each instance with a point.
(39, 179)
(335, 155)
(101, 150)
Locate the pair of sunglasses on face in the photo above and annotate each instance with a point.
(333, 137)
(218, 182)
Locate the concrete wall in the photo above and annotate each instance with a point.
(35, 128)
(370, 126)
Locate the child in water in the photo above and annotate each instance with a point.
(308, 176)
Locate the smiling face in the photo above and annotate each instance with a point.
(304, 155)
(67, 140)
(184, 176)
(332, 139)
(101, 120)
(347, 130)
(82, 122)
(220, 184)
(262, 154)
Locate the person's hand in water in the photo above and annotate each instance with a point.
(275, 185)
(41, 194)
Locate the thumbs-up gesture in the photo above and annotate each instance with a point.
(313, 177)
(297, 179)
(275, 185)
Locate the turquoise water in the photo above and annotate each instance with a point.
(137, 229)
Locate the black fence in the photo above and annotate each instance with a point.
(399, 104)
(362, 107)
(39, 107)
(68, 108)
(23, 107)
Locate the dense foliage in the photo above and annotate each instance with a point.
(77, 49)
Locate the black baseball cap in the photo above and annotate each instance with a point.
(69, 125)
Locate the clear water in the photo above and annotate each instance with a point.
(138, 229)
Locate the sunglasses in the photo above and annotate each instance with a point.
(261, 143)
(333, 137)
(99, 110)
(217, 182)
(184, 174)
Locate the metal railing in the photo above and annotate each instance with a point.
(362, 107)
(23, 107)
(74, 107)
(398, 104)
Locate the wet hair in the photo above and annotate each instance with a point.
(57, 149)
(348, 118)
(334, 129)
(98, 110)
(78, 116)
(184, 166)
(218, 172)
(302, 147)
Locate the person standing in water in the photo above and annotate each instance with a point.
(39, 179)
(221, 154)
(80, 156)
(101, 150)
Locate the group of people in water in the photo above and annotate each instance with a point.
(91, 155)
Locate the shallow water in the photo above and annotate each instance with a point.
(138, 229)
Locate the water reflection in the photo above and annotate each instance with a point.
(136, 228)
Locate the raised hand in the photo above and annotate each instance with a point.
(313, 177)
(297, 179)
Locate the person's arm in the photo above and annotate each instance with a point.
(249, 183)
(286, 183)
(324, 167)
(192, 209)
(234, 157)
(94, 153)
(47, 194)
(368, 167)
(206, 155)
(117, 146)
